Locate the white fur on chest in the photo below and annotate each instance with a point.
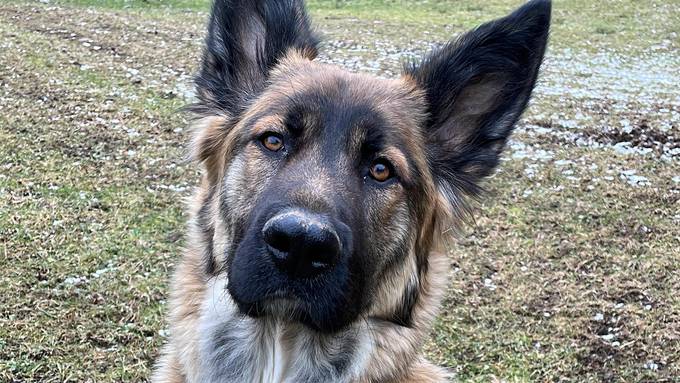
(275, 361)
(234, 348)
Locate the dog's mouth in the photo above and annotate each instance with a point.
(280, 305)
(320, 313)
(282, 308)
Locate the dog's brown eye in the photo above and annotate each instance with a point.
(272, 141)
(380, 171)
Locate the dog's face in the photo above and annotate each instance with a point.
(326, 184)
(331, 184)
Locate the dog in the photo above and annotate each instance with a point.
(317, 238)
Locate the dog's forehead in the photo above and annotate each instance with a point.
(343, 102)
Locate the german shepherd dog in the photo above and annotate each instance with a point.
(316, 245)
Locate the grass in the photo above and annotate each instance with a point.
(625, 24)
(568, 274)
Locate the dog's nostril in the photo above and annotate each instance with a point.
(277, 239)
(301, 244)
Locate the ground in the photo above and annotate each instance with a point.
(570, 271)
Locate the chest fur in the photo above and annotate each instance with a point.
(234, 348)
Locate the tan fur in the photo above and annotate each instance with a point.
(178, 360)
(398, 159)
(180, 355)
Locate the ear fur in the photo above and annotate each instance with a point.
(476, 87)
(246, 39)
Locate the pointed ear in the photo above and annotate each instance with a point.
(246, 39)
(476, 88)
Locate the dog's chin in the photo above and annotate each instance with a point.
(326, 304)
(287, 309)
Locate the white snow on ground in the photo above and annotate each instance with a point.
(605, 75)
(633, 178)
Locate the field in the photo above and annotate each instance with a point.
(570, 272)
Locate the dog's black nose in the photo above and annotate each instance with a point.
(302, 244)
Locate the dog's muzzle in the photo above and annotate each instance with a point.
(297, 265)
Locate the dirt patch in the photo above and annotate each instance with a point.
(638, 134)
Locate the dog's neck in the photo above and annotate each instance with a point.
(235, 348)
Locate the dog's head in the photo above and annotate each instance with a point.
(333, 187)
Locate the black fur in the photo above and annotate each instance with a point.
(500, 59)
(404, 313)
(207, 230)
(246, 39)
(342, 359)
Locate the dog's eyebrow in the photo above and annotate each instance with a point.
(268, 123)
(295, 120)
(365, 141)
(371, 138)
(399, 161)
